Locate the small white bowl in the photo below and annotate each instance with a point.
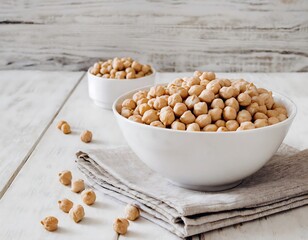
(104, 91)
(211, 161)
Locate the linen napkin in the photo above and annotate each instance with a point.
(282, 184)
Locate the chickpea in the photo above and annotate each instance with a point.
(78, 186)
(262, 90)
(120, 226)
(174, 99)
(222, 129)
(179, 109)
(142, 100)
(157, 124)
(130, 70)
(65, 128)
(167, 117)
(193, 127)
(191, 101)
(252, 108)
(200, 108)
(236, 92)
(273, 120)
(272, 113)
(243, 116)
(204, 120)
(282, 110)
(65, 205)
(204, 82)
(131, 75)
(195, 90)
(261, 123)
(136, 118)
(140, 74)
(65, 177)
(192, 81)
(149, 116)
(187, 117)
(88, 196)
(210, 128)
(159, 103)
(77, 213)
(226, 92)
(126, 112)
(232, 102)
(136, 111)
(209, 76)
(103, 70)
(182, 91)
(136, 66)
(229, 113)
(59, 125)
(268, 99)
(260, 115)
(107, 75)
(251, 90)
(232, 125)
(146, 69)
(166, 96)
(207, 96)
(281, 117)
(213, 86)
(156, 91)
(218, 103)
(117, 64)
(50, 223)
(94, 71)
(127, 64)
(215, 114)
(227, 83)
(246, 126)
(143, 108)
(132, 212)
(244, 99)
(197, 74)
(263, 109)
(177, 82)
(176, 125)
(139, 95)
(278, 105)
(86, 136)
(240, 85)
(151, 102)
(220, 123)
(120, 75)
(113, 73)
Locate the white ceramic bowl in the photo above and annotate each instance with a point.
(103, 91)
(210, 161)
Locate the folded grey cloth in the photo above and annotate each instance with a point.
(282, 184)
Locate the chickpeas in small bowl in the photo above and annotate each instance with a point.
(203, 132)
(110, 79)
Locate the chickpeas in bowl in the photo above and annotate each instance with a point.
(205, 103)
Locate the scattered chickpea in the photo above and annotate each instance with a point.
(65, 128)
(193, 127)
(120, 226)
(50, 223)
(65, 177)
(88, 196)
(78, 186)
(86, 136)
(77, 213)
(65, 205)
(59, 125)
(131, 212)
(176, 125)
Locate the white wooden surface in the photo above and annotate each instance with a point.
(225, 35)
(35, 191)
(28, 103)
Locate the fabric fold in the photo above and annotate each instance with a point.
(282, 184)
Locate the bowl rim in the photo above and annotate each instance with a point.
(121, 80)
(284, 122)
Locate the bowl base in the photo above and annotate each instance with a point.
(204, 188)
(103, 105)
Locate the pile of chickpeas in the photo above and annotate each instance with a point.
(205, 103)
(121, 68)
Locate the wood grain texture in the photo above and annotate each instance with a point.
(28, 104)
(251, 36)
(38, 186)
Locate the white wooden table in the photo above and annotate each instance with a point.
(33, 151)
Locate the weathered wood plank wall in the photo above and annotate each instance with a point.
(220, 35)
